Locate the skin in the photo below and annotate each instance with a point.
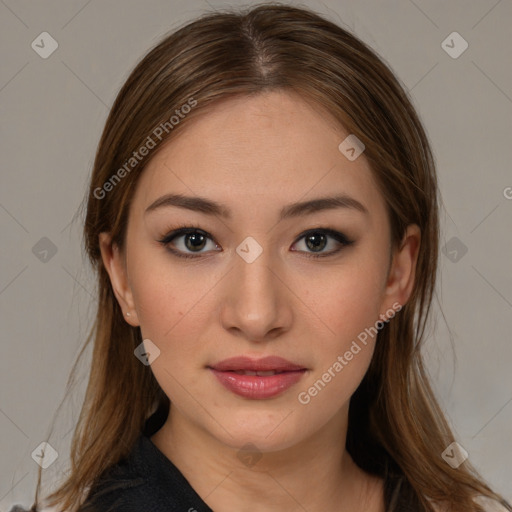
(256, 155)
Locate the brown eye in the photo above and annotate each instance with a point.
(194, 241)
(315, 241)
(186, 241)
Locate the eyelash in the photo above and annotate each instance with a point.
(189, 229)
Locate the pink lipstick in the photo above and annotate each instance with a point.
(257, 379)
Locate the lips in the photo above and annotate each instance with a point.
(257, 378)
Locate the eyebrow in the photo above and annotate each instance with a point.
(209, 207)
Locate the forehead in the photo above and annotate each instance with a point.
(273, 148)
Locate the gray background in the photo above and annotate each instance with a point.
(53, 111)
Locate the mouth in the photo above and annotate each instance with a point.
(266, 364)
(259, 373)
(257, 379)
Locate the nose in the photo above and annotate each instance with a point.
(256, 303)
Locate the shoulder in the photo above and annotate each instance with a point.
(19, 508)
(400, 496)
(122, 487)
(490, 505)
(487, 504)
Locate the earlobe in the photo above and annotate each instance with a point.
(402, 274)
(114, 264)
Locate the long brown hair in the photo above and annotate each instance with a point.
(395, 422)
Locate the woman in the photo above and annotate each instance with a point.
(263, 219)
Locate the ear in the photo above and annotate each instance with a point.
(115, 265)
(402, 272)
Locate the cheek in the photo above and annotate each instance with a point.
(349, 300)
(349, 306)
(171, 304)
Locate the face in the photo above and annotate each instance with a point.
(255, 277)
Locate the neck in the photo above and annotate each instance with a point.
(317, 474)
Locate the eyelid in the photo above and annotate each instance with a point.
(337, 235)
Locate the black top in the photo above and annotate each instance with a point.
(146, 481)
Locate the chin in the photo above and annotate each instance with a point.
(267, 431)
